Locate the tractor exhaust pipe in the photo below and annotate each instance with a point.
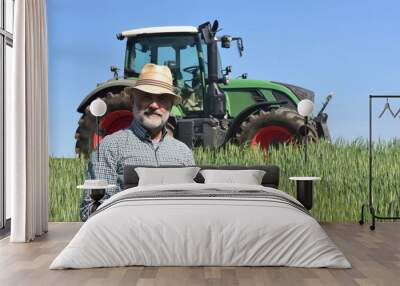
(215, 104)
(212, 61)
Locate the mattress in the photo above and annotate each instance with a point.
(201, 225)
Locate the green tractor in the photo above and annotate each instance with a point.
(214, 110)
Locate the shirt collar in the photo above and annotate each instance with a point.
(142, 132)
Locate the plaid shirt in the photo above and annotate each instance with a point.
(131, 146)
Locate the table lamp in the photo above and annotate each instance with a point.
(98, 108)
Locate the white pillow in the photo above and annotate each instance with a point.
(162, 176)
(250, 177)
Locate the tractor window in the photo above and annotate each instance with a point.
(180, 53)
(280, 96)
(142, 57)
(191, 81)
(166, 56)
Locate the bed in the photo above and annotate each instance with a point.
(201, 224)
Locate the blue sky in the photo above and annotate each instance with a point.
(350, 47)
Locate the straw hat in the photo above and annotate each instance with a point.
(156, 79)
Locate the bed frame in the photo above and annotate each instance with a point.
(270, 179)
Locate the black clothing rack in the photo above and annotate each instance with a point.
(370, 204)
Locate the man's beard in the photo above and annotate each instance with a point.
(150, 119)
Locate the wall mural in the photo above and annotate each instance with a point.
(171, 102)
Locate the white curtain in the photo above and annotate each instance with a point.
(26, 124)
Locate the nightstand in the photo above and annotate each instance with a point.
(304, 191)
(97, 189)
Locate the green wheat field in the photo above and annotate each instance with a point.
(343, 167)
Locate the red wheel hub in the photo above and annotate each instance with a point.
(271, 134)
(113, 122)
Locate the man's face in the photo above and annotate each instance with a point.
(152, 110)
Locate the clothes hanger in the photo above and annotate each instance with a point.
(387, 106)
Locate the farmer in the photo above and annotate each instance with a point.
(145, 142)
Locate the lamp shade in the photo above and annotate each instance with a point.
(305, 107)
(98, 107)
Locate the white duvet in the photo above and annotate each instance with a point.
(182, 230)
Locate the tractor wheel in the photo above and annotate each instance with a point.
(118, 116)
(273, 128)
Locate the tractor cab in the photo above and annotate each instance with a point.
(183, 50)
(192, 55)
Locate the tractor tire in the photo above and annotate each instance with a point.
(118, 116)
(282, 125)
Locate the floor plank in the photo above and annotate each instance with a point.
(374, 255)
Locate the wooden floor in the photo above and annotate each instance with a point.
(374, 255)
